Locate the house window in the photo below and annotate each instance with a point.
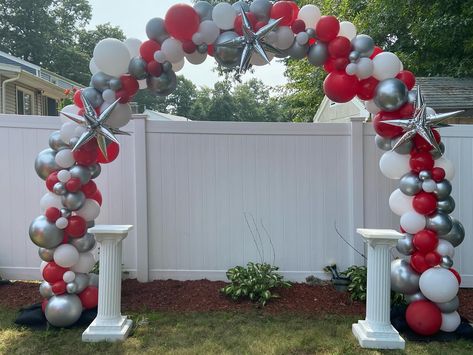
(49, 106)
(24, 101)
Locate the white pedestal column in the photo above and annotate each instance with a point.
(109, 325)
(376, 330)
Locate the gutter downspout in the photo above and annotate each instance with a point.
(4, 86)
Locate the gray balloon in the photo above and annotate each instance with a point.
(404, 148)
(446, 206)
(403, 278)
(363, 44)
(418, 296)
(167, 66)
(46, 290)
(410, 184)
(94, 96)
(456, 235)
(440, 223)
(450, 306)
(115, 84)
(137, 68)
(298, 51)
(81, 172)
(65, 213)
(261, 9)
(282, 53)
(44, 233)
(95, 170)
(71, 287)
(100, 81)
(82, 281)
(354, 56)
(63, 310)
(382, 142)
(237, 6)
(45, 163)
(446, 262)
(227, 56)
(204, 10)
(73, 200)
(404, 244)
(163, 85)
(59, 188)
(425, 175)
(85, 243)
(436, 154)
(156, 30)
(94, 280)
(443, 190)
(390, 94)
(317, 54)
(73, 141)
(46, 254)
(310, 32)
(202, 48)
(55, 141)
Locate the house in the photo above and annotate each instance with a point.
(28, 89)
(443, 94)
(159, 116)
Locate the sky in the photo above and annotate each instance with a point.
(132, 16)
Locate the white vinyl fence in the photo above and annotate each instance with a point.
(189, 189)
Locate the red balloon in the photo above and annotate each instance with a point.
(259, 25)
(366, 88)
(129, 84)
(51, 180)
(295, 11)
(339, 47)
(73, 185)
(113, 149)
(122, 96)
(424, 203)
(284, 10)
(84, 156)
(77, 99)
(89, 297)
(425, 241)
(340, 87)
(422, 145)
(340, 64)
(418, 262)
(239, 22)
(182, 21)
(457, 275)
(97, 196)
(421, 161)
(389, 131)
(89, 189)
(298, 26)
(148, 48)
(154, 68)
(52, 214)
(327, 28)
(44, 303)
(77, 227)
(329, 65)
(59, 287)
(53, 273)
(376, 51)
(424, 317)
(189, 47)
(438, 174)
(433, 258)
(408, 78)
(210, 50)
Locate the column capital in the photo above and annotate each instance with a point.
(105, 232)
(375, 237)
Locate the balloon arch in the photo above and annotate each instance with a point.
(239, 36)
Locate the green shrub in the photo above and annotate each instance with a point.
(255, 281)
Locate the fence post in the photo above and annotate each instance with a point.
(141, 198)
(356, 181)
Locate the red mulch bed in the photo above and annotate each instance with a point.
(204, 296)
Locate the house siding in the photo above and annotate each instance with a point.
(11, 105)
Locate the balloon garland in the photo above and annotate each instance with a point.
(239, 36)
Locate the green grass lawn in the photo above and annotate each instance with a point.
(210, 333)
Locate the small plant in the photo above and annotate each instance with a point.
(357, 286)
(255, 281)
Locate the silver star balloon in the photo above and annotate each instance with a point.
(422, 123)
(96, 126)
(252, 41)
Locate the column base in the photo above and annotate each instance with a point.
(377, 336)
(108, 330)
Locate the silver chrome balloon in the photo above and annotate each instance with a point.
(317, 54)
(73, 141)
(46, 290)
(424, 175)
(85, 243)
(436, 154)
(261, 9)
(65, 213)
(162, 85)
(298, 51)
(363, 44)
(382, 143)
(403, 148)
(59, 188)
(100, 81)
(63, 310)
(204, 9)
(94, 96)
(45, 163)
(443, 190)
(310, 32)
(354, 56)
(81, 172)
(137, 68)
(94, 280)
(456, 235)
(403, 278)
(167, 66)
(202, 48)
(418, 296)
(446, 206)
(115, 84)
(44, 233)
(410, 184)
(46, 254)
(446, 262)
(440, 223)
(227, 56)
(450, 306)
(73, 200)
(390, 95)
(55, 141)
(404, 245)
(155, 29)
(71, 287)
(95, 170)
(82, 281)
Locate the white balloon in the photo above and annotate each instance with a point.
(62, 222)
(120, 116)
(64, 158)
(400, 203)
(112, 56)
(90, 210)
(450, 322)
(394, 165)
(285, 37)
(42, 266)
(159, 56)
(302, 38)
(310, 14)
(446, 165)
(69, 276)
(66, 255)
(438, 285)
(64, 175)
(386, 65)
(271, 37)
(224, 14)
(172, 49)
(79, 131)
(68, 131)
(371, 107)
(133, 45)
(445, 248)
(412, 222)
(347, 29)
(196, 57)
(429, 185)
(93, 67)
(197, 38)
(364, 68)
(178, 65)
(142, 84)
(351, 69)
(68, 109)
(209, 31)
(85, 263)
(108, 96)
(50, 200)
